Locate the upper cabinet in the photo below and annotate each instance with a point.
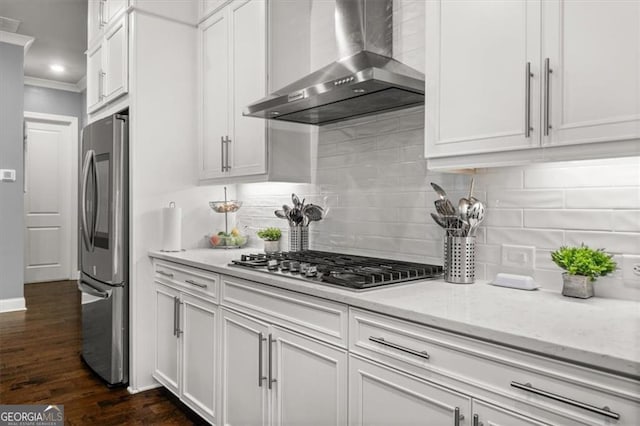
(513, 82)
(233, 45)
(108, 53)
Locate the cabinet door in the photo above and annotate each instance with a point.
(95, 10)
(167, 354)
(593, 49)
(116, 81)
(476, 86)
(248, 83)
(244, 362)
(213, 54)
(383, 396)
(200, 356)
(311, 381)
(491, 415)
(95, 78)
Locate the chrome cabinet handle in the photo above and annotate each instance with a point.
(96, 200)
(527, 101)
(458, 417)
(476, 420)
(195, 283)
(178, 331)
(166, 274)
(271, 380)
(222, 153)
(228, 167)
(261, 339)
(83, 203)
(605, 411)
(382, 341)
(175, 316)
(101, 14)
(547, 96)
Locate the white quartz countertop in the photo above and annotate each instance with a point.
(603, 333)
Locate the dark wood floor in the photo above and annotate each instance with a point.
(40, 364)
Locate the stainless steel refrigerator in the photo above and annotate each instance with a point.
(104, 244)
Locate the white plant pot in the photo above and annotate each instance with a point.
(577, 286)
(271, 246)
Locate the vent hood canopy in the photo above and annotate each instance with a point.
(366, 80)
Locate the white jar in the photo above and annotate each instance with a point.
(271, 246)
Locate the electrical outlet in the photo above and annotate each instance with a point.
(519, 256)
(636, 269)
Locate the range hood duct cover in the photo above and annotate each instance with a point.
(365, 80)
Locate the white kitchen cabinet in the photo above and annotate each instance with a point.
(583, 85)
(593, 51)
(379, 395)
(167, 344)
(101, 14)
(232, 51)
(274, 376)
(94, 77)
(480, 94)
(108, 66)
(244, 387)
(116, 61)
(233, 45)
(187, 360)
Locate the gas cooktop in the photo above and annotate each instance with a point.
(344, 270)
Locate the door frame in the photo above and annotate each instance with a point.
(72, 122)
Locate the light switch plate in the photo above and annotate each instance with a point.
(7, 175)
(523, 257)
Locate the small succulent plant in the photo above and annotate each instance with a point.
(584, 261)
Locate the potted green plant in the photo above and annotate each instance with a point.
(271, 237)
(583, 265)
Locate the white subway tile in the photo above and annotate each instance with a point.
(540, 238)
(375, 128)
(542, 199)
(400, 139)
(612, 242)
(606, 198)
(623, 173)
(626, 220)
(569, 219)
(503, 218)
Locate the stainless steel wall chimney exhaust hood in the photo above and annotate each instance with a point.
(366, 80)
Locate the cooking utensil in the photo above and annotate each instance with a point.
(475, 217)
(280, 214)
(439, 220)
(444, 207)
(463, 210)
(296, 201)
(313, 212)
(441, 192)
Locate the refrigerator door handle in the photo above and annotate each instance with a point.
(96, 198)
(89, 289)
(83, 205)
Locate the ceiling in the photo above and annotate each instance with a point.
(60, 31)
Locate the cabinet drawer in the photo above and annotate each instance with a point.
(319, 318)
(195, 280)
(493, 372)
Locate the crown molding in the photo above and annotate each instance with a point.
(58, 85)
(17, 39)
(82, 83)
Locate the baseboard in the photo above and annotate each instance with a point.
(11, 305)
(143, 388)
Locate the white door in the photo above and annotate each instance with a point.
(213, 54)
(247, 148)
(198, 324)
(116, 80)
(95, 78)
(480, 96)
(380, 395)
(311, 382)
(49, 238)
(244, 370)
(492, 415)
(593, 49)
(167, 356)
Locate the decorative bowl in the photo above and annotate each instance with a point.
(225, 206)
(227, 241)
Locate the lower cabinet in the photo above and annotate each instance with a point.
(381, 395)
(274, 376)
(485, 414)
(187, 350)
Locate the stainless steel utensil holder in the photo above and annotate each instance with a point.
(459, 259)
(298, 238)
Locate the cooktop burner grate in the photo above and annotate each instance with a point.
(350, 271)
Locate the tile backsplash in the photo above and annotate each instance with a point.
(372, 177)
